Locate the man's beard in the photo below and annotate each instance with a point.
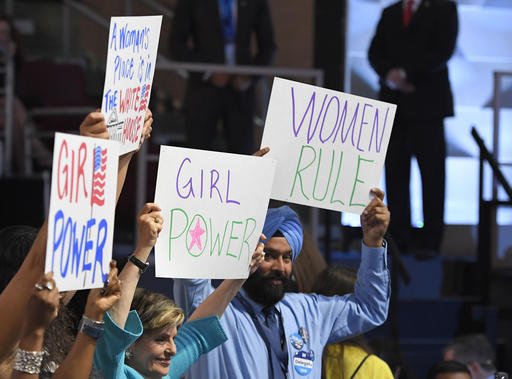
(261, 290)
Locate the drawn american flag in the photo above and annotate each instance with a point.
(98, 176)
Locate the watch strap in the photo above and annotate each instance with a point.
(93, 329)
(137, 262)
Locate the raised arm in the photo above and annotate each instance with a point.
(17, 294)
(149, 226)
(375, 220)
(78, 362)
(41, 310)
(356, 313)
(217, 302)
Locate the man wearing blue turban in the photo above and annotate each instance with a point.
(276, 334)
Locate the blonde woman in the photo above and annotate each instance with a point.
(145, 342)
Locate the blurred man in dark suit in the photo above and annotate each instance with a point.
(410, 50)
(221, 31)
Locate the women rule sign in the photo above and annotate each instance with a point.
(329, 146)
(214, 206)
(131, 59)
(82, 207)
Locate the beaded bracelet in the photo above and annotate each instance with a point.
(28, 361)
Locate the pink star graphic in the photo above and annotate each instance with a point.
(196, 234)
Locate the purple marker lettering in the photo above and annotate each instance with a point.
(187, 185)
(228, 200)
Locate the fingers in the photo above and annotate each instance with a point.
(147, 128)
(377, 192)
(376, 201)
(47, 295)
(257, 258)
(148, 115)
(146, 132)
(113, 270)
(113, 284)
(150, 224)
(377, 215)
(376, 210)
(155, 217)
(93, 118)
(151, 212)
(148, 208)
(262, 152)
(94, 126)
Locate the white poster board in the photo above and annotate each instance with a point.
(329, 146)
(214, 206)
(82, 209)
(131, 59)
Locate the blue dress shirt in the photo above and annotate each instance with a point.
(310, 322)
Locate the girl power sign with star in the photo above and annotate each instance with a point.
(214, 206)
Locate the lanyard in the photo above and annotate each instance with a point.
(257, 324)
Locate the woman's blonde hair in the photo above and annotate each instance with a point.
(155, 310)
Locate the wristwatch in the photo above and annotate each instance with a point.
(93, 329)
(137, 262)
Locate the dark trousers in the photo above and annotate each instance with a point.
(206, 104)
(424, 140)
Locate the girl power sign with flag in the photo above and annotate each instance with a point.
(82, 207)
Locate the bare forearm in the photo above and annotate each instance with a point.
(217, 302)
(14, 298)
(16, 295)
(122, 170)
(129, 276)
(78, 362)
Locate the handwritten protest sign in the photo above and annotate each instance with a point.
(131, 59)
(330, 146)
(82, 206)
(214, 206)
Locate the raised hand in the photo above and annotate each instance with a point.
(147, 128)
(94, 126)
(43, 305)
(101, 300)
(257, 256)
(375, 220)
(150, 223)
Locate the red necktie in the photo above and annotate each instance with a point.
(407, 15)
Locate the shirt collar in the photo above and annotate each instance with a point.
(256, 307)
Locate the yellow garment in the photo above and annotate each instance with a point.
(340, 362)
